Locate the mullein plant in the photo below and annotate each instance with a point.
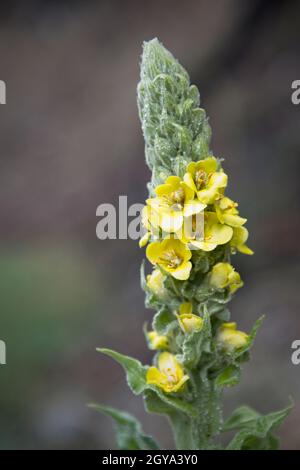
(198, 350)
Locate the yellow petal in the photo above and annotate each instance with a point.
(163, 189)
(157, 341)
(171, 221)
(180, 248)
(190, 322)
(191, 168)
(231, 339)
(233, 220)
(203, 245)
(240, 236)
(154, 376)
(245, 250)
(168, 364)
(207, 196)
(179, 385)
(189, 193)
(153, 252)
(189, 181)
(183, 272)
(144, 240)
(169, 376)
(209, 164)
(219, 234)
(150, 215)
(218, 180)
(186, 307)
(193, 207)
(229, 325)
(174, 181)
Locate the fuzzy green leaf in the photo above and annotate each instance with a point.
(240, 417)
(251, 338)
(154, 404)
(178, 404)
(128, 430)
(255, 433)
(174, 127)
(229, 377)
(135, 371)
(163, 321)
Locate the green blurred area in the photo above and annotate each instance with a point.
(49, 298)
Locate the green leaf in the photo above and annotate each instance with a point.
(201, 146)
(154, 404)
(128, 429)
(163, 321)
(229, 376)
(174, 127)
(177, 404)
(136, 378)
(251, 338)
(240, 417)
(255, 329)
(164, 149)
(255, 433)
(135, 371)
(223, 314)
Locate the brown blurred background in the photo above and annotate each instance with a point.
(70, 140)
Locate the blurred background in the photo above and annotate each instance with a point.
(70, 140)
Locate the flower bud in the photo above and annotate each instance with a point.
(187, 320)
(157, 341)
(155, 282)
(230, 338)
(224, 275)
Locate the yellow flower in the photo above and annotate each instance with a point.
(224, 275)
(172, 255)
(169, 376)
(155, 282)
(174, 200)
(150, 221)
(238, 241)
(157, 341)
(205, 180)
(230, 338)
(187, 320)
(206, 237)
(227, 212)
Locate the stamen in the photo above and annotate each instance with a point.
(171, 259)
(200, 179)
(174, 199)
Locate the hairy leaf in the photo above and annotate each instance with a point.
(255, 430)
(128, 429)
(135, 371)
